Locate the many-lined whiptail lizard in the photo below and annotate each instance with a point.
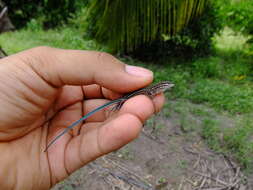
(149, 91)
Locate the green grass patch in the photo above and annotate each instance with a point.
(222, 96)
(65, 38)
(211, 133)
(239, 141)
(234, 96)
(235, 141)
(200, 112)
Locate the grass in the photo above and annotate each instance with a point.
(235, 140)
(211, 132)
(222, 96)
(65, 38)
(125, 153)
(208, 89)
(239, 142)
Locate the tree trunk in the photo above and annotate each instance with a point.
(5, 22)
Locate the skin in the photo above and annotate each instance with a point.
(44, 90)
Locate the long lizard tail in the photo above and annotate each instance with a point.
(82, 119)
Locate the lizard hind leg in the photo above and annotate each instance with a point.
(117, 106)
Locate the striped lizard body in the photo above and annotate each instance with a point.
(149, 91)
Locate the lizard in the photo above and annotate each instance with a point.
(149, 91)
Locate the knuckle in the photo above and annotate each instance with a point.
(41, 49)
(104, 57)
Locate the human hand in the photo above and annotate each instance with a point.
(44, 90)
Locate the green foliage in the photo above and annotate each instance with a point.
(20, 11)
(238, 16)
(125, 25)
(35, 25)
(237, 67)
(51, 12)
(79, 21)
(57, 11)
(192, 41)
(213, 68)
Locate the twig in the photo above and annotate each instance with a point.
(181, 183)
(197, 162)
(152, 137)
(219, 181)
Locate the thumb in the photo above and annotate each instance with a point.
(61, 67)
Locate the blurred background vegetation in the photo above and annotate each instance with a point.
(204, 46)
(146, 29)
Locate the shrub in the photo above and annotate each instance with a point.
(52, 12)
(239, 17)
(21, 11)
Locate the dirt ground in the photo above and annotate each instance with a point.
(164, 157)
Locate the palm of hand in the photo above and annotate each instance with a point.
(29, 138)
(35, 106)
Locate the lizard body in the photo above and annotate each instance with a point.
(149, 91)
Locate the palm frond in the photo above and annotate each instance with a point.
(125, 24)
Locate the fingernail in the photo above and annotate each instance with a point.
(138, 71)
